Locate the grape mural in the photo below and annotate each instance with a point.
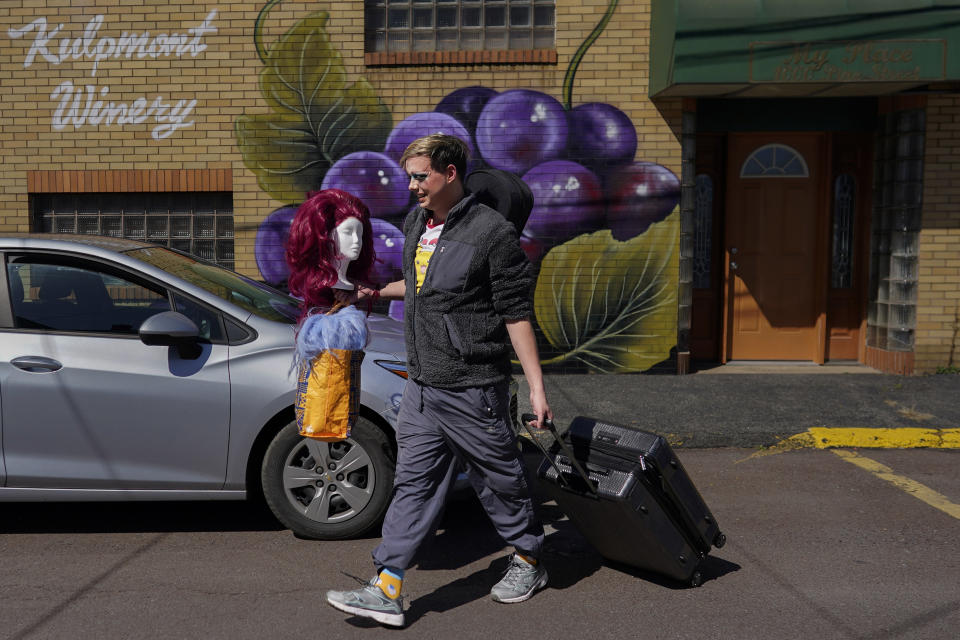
(641, 193)
(375, 178)
(567, 201)
(388, 247)
(519, 129)
(424, 124)
(604, 136)
(466, 104)
(271, 237)
(604, 229)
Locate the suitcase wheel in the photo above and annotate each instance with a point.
(719, 540)
(696, 579)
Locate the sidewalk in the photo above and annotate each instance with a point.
(748, 405)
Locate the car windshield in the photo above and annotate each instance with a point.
(244, 292)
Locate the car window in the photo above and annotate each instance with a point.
(256, 297)
(206, 320)
(78, 297)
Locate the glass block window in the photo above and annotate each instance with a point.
(198, 223)
(702, 231)
(774, 161)
(897, 212)
(841, 264)
(458, 25)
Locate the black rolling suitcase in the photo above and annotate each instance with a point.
(629, 496)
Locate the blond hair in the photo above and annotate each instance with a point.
(442, 149)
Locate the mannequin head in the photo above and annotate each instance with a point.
(349, 242)
(349, 239)
(320, 244)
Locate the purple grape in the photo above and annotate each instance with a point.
(388, 245)
(466, 104)
(424, 124)
(641, 193)
(374, 178)
(567, 201)
(270, 244)
(601, 135)
(395, 310)
(521, 128)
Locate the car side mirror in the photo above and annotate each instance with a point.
(172, 329)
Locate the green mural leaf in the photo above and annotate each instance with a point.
(317, 115)
(609, 304)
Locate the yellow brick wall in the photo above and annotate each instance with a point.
(614, 70)
(223, 80)
(938, 296)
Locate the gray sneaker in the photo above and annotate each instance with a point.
(521, 581)
(368, 601)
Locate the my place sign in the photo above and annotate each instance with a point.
(848, 61)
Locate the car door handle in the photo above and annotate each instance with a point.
(36, 364)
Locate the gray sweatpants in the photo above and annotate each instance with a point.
(436, 429)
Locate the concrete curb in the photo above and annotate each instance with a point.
(883, 438)
(840, 440)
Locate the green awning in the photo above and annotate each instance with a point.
(802, 47)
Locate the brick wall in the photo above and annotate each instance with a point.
(223, 80)
(938, 300)
(39, 134)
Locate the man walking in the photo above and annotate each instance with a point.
(466, 290)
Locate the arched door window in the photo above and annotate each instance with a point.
(774, 161)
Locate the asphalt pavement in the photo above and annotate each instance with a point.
(817, 547)
(759, 406)
(847, 543)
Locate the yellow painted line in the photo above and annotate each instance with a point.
(914, 488)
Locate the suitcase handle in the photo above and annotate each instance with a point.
(525, 420)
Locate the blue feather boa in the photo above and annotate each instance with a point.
(345, 329)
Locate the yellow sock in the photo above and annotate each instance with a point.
(390, 584)
(532, 561)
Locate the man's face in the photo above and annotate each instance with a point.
(432, 188)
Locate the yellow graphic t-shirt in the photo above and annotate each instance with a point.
(425, 248)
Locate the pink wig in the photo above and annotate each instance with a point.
(312, 246)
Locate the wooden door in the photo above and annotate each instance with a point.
(775, 294)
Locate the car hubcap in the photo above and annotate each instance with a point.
(328, 482)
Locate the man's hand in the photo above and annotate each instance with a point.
(525, 346)
(345, 297)
(540, 408)
(390, 291)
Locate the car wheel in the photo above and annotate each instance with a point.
(329, 490)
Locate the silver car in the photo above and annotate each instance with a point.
(129, 371)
